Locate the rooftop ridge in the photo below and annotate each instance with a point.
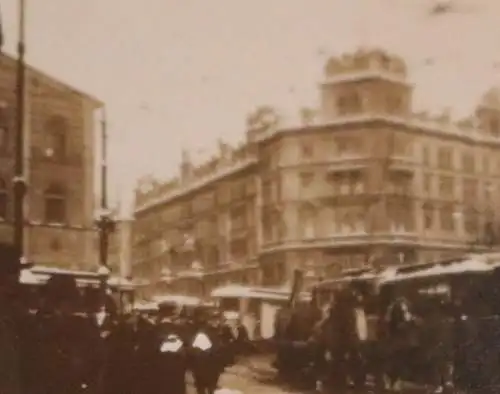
(363, 60)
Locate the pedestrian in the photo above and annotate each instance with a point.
(10, 341)
(171, 364)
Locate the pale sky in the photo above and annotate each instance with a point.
(183, 73)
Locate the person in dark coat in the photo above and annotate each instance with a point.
(147, 356)
(205, 359)
(172, 353)
(11, 363)
(68, 341)
(120, 374)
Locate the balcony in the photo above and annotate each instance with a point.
(348, 163)
(403, 165)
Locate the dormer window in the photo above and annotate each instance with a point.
(495, 127)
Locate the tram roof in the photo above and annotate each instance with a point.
(473, 264)
(177, 299)
(263, 293)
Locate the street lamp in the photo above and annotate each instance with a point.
(106, 225)
(103, 273)
(105, 222)
(19, 180)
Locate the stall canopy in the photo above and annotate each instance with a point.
(39, 275)
(238, 291)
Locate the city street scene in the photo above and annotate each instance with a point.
(235, 197)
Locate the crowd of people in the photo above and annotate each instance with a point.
(65, 345)
(441, 341)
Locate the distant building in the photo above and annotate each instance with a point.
(60, 165)
(120, 247)
(362, 180)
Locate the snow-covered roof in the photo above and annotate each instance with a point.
(145, 306)
(178, 299)
(463, 266)
(368, 276)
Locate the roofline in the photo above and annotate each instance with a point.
(94, 100)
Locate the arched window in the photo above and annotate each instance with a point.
(56, 129)
(3, 200)
(55, 204)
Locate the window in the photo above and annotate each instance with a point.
(470, 190)
(306, 178)
(239, 218)
(349, 104)
(308, 222)
(446, 186)
(55, 204)
(445, 158)
(348, 145)
(426, 156)
(495, 127)
(342, 106)
(489, 192)
(471, 221)
(394, 104)
(402, 145)
(428, 216)
(307, 149)
(3, 200)
(427, 184)
(486, 165)
(468, 163)
(447, 218)
(357, 184)
(56, 129)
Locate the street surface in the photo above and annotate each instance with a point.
(251, 376)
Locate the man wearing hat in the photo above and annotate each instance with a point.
(11, 368)
(69, 341)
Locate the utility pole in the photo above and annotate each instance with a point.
(19, 175)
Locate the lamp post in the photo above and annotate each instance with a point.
(19, 175)
(104, 221)
(103, 273)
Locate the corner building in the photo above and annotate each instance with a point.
(59, 164)
(364, 179)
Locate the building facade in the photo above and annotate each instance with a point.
(362, 180)
(60, 168)
(119, 252)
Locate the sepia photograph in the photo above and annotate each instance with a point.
(250, 197)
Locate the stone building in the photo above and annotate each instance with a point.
(119, 251)
(60, 168)
(362, 180)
